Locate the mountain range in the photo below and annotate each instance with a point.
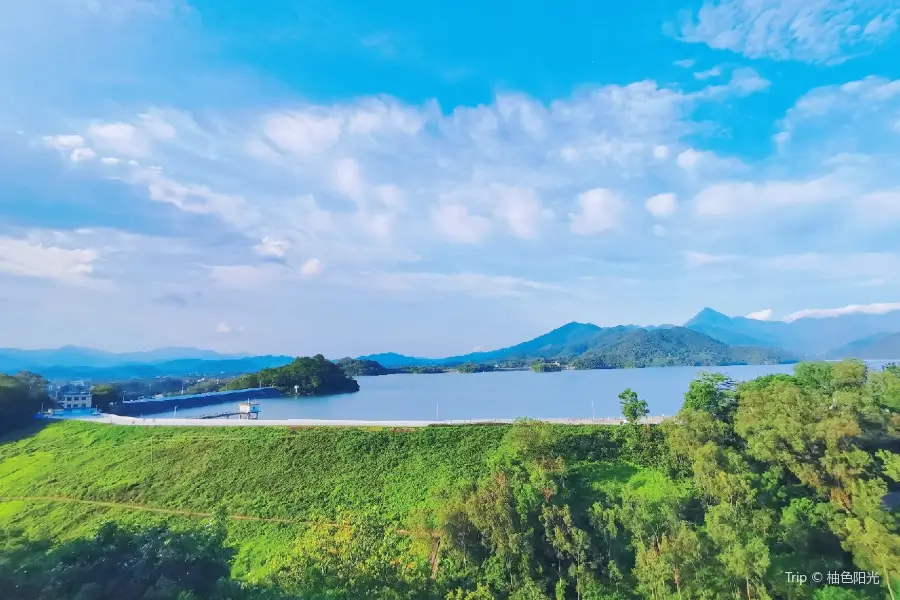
(855, 335)
(722, 340)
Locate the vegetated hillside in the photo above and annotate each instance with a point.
(357, 367)
(747, 483)
(316, 376)
(677, 346)
(373, 476)
(567, 341)
(879, 346)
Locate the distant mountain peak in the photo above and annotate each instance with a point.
(708, 316)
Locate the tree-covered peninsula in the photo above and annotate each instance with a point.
(316, 376)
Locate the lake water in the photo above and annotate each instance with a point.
(499, 395)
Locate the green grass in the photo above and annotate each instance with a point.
(298, 474)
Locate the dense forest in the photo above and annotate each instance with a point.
(316, 376)
(675, 346)
(20, 399)
(786, 473)
(356, 367)
(542, 366)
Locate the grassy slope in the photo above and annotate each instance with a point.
(298, 474)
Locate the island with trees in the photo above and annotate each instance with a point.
(316, 376)
(473, 367)
(543, 366)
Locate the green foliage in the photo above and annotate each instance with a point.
(633, 408)
(785, 473)
(541, 366)
(712, 393)
(472, 367)
(354, 367)
(423, 370)
(673, 347)
(20, 399)
(120, 563)
(314, 376)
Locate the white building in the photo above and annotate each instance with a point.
(73, 395)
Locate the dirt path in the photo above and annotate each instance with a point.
(153, 509)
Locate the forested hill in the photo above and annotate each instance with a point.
(676, 346)
(587, 346)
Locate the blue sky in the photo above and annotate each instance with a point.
(300, 177)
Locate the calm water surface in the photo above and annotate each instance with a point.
(500, 395)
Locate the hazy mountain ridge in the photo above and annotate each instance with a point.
(881, 346)
(810, 337)
(747, 340)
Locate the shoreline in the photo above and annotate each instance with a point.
(176, 422)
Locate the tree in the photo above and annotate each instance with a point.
(104, 395)
(20, 399)
(633, 408)
(712, 393)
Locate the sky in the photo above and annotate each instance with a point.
(428, 178)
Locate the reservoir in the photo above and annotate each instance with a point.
(497, 395)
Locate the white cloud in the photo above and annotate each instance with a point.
(157, 126)
(868, 102)
(123, 138)
(348, 179)
(223, 328)
(64, 142)
(28, 259)
(457, 224)
(688, 158)
(702, 259)
(391, 196)
(686, 63)
(315, 130)
(730, 199)
(82, 154)
(198, 199)
(520, 209)
(879, 308)
(661, 152)
(110, 160)
(761, 315)
(302, 133)
(662, 205)
(600, 210)
(474, 284)
(803, 30)
(713, 72)
(312, 267)
(245, 277)
(272, 247)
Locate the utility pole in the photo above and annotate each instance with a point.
(174, 412)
